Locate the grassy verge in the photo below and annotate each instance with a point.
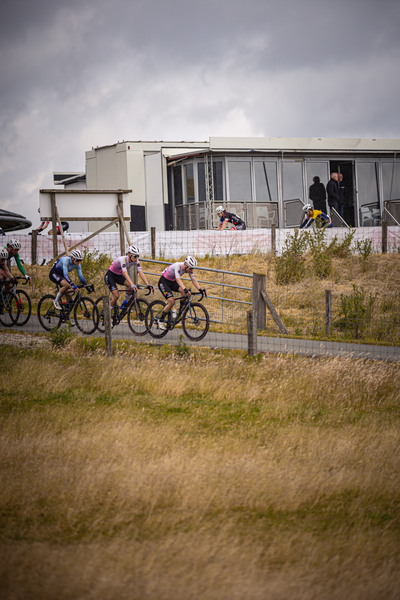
(159, 475)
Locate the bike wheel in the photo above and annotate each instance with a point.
(195, 321)
(154, 310)
(25, 307)
(9, 311)
(100, 324)
(136, 317)
(49, 317)
(86, 315)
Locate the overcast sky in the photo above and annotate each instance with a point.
(82, 73)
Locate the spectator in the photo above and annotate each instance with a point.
(317, 194)
(332, 190)
(342, 194)
(45, 224)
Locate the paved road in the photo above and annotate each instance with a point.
(265, 344)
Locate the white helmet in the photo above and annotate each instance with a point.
(307, 207)
(77, 254)
(15, 244)
(3, 253)
(219, 209)
(190, 262)
(134, 250)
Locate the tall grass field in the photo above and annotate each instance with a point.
(166, 473)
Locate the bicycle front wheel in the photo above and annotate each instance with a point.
(86, 315)
(25, 307)
(9, 309)
(195, 321)
(136, 317)
(153, 313)
(49, 317)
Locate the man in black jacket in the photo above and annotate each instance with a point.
(332, 189)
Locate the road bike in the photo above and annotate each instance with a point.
(24, 302)
(84, 310)
(9, 306)
(134, 311)
(193, 316)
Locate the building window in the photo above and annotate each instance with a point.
(292, 180)
(178, 195)
(391, 180)
(218, 181)
(189, 177)
(266, 180)
(240, 181)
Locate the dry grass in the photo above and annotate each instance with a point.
(151, 477)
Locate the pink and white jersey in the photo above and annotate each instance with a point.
(175, 270)
(122, 264)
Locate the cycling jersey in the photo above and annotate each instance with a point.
(234, 219)
(64, 266)
(122, 264)
(17, 260)
(176, 270)
(318, 216)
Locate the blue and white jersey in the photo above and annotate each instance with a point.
(65, 265)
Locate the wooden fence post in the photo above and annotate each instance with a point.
(107, 324)
(153, 242)
(252, 332)
(278, 321)
(34, 247)
(54, 223)
(328, 311)
(273, 237)
(121, 224)
(384, 236)
(258, 306)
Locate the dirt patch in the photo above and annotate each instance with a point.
(23, 339)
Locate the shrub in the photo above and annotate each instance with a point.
(60, 337)
(364, 250)
(321, 253)
(290, 266)
(355, 311)
(342, 249)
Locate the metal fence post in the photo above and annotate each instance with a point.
(252, 332)
(384, 236)
(259, 284)
(328, 311)
(107, 324)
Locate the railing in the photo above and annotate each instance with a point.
(256, 215)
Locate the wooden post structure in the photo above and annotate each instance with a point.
(34, 247)
(258, 306)
(328, 311)
(273, 237)
(252, 332)
(54, 223)
(121, 225)
(278, 321)
(61, 231)
(384, 236)
(107, 325)
(153, 242)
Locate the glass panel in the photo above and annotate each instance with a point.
(218, 182)
(266, 181)
(189, 183)
(367, 183)
(292, 180)
(178, 196)
(388, 186)
(240, 181)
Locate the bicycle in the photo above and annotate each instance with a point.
(9, 306)
(86, 315)
(134, 310)
(24, 302)
(193, 315)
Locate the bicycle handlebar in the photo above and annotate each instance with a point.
(24, 280)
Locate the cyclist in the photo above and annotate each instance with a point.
(227, 217)
(170, 281)
(118, 274)
(5, 272)
(13, 246)
(59, 274)
(311, 215)
(45, 224)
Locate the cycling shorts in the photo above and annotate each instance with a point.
(241, 227)
(55, 276)
(112, 279)
(166, 287)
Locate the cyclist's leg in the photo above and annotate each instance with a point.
(111, 280)
(166, 287)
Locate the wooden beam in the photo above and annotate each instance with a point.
(122, 222)
(61, 231)
(274, 314)
(89, 237)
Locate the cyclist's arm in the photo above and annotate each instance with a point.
(143, 277)
(6, 271)
(127, 278)
(80, 275)
(194, 281)
(19, 264)
(66, 274)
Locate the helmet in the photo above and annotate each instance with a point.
(134, 250)
(307, 207)
(77, 254)
(219, 209)
(3, 253)
(190, 262)
(15, 244)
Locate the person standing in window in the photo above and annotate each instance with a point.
(332, 189)
(342, 194)
(317, 194)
